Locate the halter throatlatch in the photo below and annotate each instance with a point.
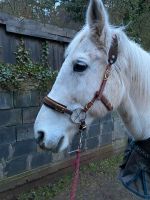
(80, 119)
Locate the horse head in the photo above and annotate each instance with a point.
(79, 78)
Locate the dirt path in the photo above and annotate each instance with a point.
(98, 181)
(98, 187)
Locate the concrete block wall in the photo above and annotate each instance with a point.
(18, 150)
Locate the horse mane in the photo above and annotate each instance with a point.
(134, 62)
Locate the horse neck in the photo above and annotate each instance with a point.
(139, 64)
(134, 108)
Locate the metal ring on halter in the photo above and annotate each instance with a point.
(78, 116)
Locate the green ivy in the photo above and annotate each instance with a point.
(22, 55)
(44, 54)
(26, 74)
(21, 77)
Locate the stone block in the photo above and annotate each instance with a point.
(75, 142)
(29, 114)
(7, 135)
(24, 147)
(10, 117)
(26, 98)
(107, 127)
(94, 130)
(1, 171)
(106, 118)
(92, 143)
(40, 159)
(58, 156)
(96, 121)
(6, 100)
(16, 166)
(105, 139)
(4, 152)
(24, 132)
(120, 130)
(42, 95)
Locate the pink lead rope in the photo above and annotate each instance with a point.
(76, 176)
(77, 164)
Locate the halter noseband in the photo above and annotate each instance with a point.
(50, 103)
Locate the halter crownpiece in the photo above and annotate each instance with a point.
(81, 116)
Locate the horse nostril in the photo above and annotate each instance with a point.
(40, 136)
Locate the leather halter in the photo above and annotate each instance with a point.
(112, 57)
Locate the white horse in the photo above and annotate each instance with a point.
(128, 87)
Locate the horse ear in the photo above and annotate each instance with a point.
(97, 17)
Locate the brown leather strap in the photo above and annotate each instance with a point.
(99, 94)
(112, 57)
(56, 106)
(106, 102)
(105, 78)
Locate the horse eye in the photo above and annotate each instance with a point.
(80, 67)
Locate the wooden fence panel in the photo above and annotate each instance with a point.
(56, 54)
(8, 43)
(34, 46)
(12, 29)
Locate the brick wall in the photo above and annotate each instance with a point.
(18, 150)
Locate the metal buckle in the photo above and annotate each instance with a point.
(82, 126)
(107, 74)
(80, 144)
(78, 116)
